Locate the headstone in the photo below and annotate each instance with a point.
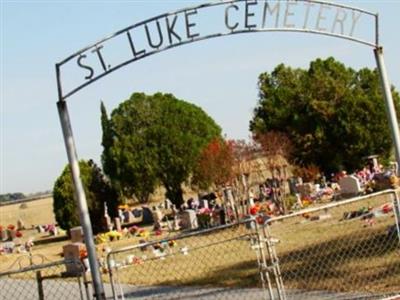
(203, 203)
(20, 224)
(147, 215)
(40, 229)
(117, 223)
(138, 215)
(189, 219)
(175, 224)
(251, 202)
(167, 204)
(8, 247)
(3, 235)
(128, 217)
(107, 222)
(350, 185)
(157, 214)
(76, 234)
(12, 234)
(306, 189)
(293, 186)
(72, 252)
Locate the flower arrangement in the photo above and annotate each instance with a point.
(144, 233)
(254, 210)
(172, 243)
(83, 253)
(204, 217)
(108, 236)
(133, 230)
(113, 235)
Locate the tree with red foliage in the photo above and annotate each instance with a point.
(215, 165)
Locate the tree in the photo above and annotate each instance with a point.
(98, 191)
(215, 164)
(333, 115)
(155, 139)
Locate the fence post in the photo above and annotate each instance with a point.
(262, 261)
(396, 210)
(274, 262)
(39, 280)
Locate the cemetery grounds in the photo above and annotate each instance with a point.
(316, 251)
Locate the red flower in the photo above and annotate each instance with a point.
(11, 227)
(18, 234)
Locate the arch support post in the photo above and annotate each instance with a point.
(80, 198)
(390, 108)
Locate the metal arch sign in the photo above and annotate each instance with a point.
(195, 24)
(192, 24)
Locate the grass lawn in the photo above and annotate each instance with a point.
(332, 255)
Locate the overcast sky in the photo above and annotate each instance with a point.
(219, 75)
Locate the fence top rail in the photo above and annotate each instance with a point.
(180, 236)
(41, 266)
(332, 205)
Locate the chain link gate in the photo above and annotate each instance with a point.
(343, 250)
(64, 279)
(217, 263)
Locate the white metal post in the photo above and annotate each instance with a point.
(81, 199)
(390, 109)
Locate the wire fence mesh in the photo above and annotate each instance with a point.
(209, 264)
(343, 250)
(55, 280)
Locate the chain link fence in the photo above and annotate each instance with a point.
(221, 262)
(342, 250)
(55, 280)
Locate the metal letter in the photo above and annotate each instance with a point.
(160, 36)
(355, 19)
(135, 54)
(170, 29)
(288, 13)
(82, 56)
(390, 109)
(339, 20)
(321, 17)
(248, 15)
(227, 17)
(189, 34)
(97, 50)
(309, 5)
(267, 8)
(81, 199)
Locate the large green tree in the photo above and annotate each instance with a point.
(154, 139)
(333, 114)
(97, 189)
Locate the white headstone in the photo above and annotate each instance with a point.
(203, 203)
(350, 185)
(76, 234)
(128, 217)
(189, 219)
(168, 204)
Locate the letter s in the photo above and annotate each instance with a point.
(91, 72)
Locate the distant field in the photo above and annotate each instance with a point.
(36, 212)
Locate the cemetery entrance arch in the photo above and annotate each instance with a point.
(201, 22)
